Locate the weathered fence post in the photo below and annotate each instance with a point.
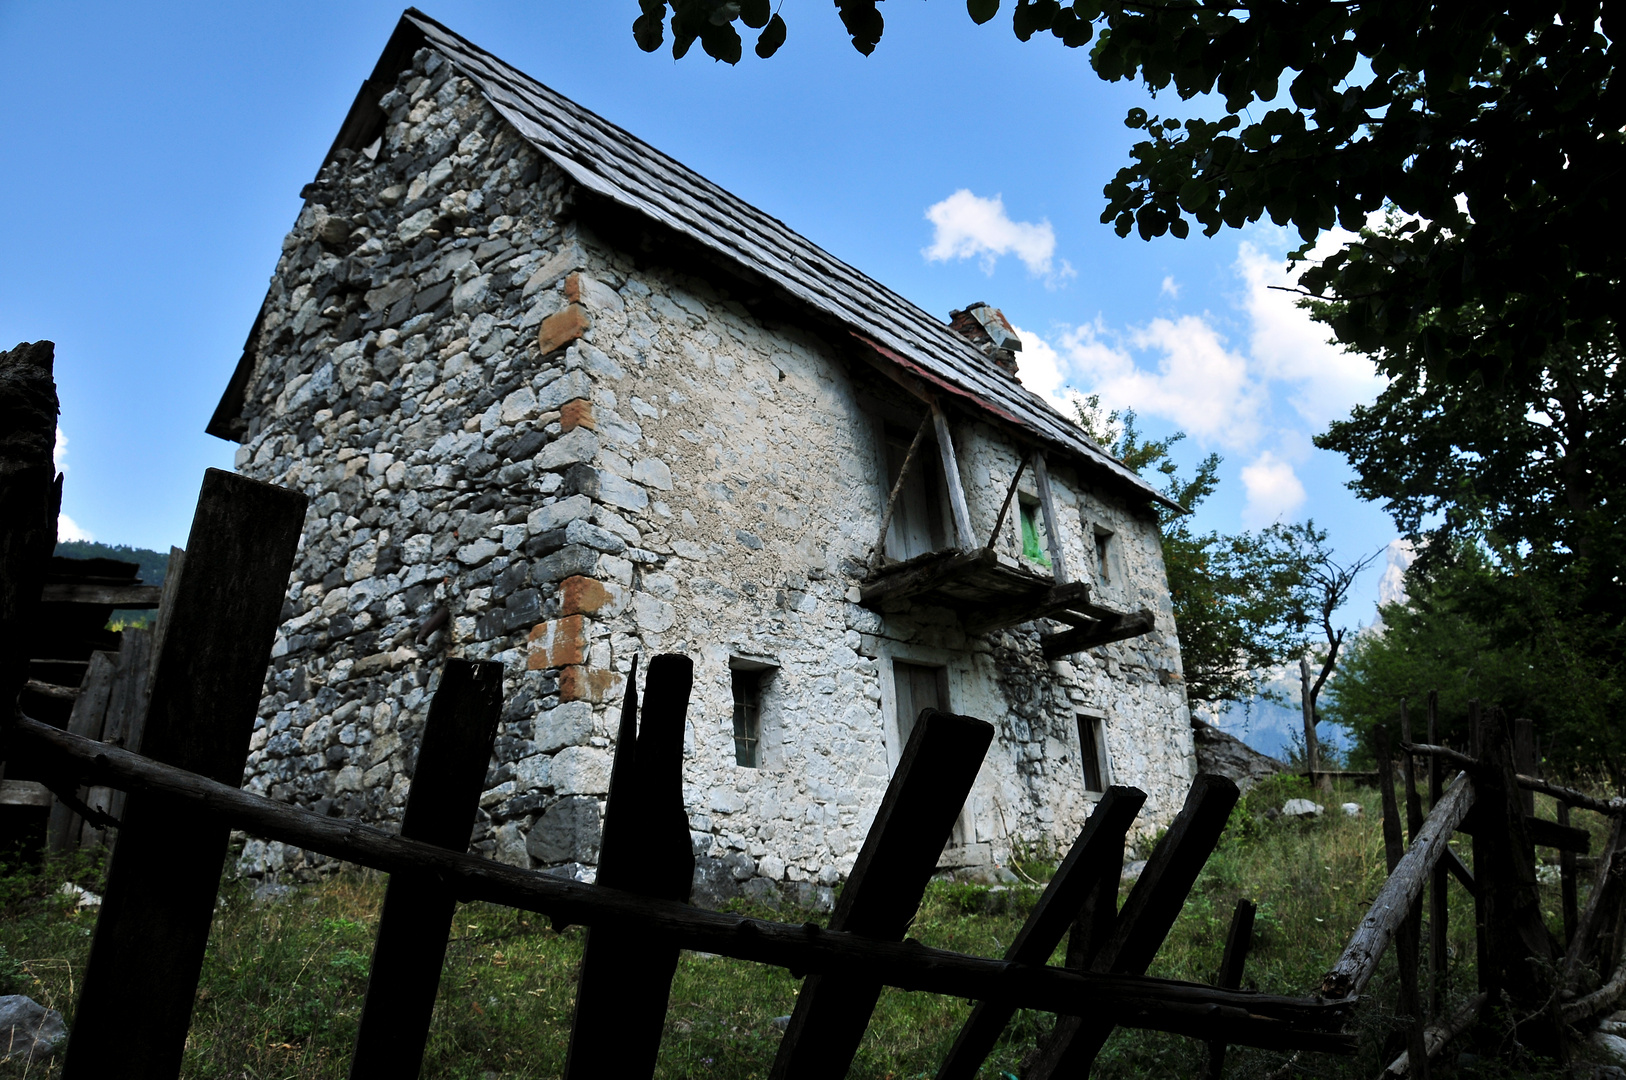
(89, 711)
(418, 908)
(1095, 860)
(1147, 916)
(1439, 913)
(165, 871)
(882, 893)
(626, 978)
(1238, 942)
(1410, 1005)
(30, 495)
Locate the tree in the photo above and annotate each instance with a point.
(1510, 490)
(1329, 584)
(1495, 131)
(1240, 601)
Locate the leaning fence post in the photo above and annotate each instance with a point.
(928, 790)
(165, 872)
(1147, 916)
(626, 977)
(1092, 867)
(418, 907)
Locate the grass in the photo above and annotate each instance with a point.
(282, 984)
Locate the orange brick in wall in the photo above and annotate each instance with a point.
(577, 413)
(557, 643)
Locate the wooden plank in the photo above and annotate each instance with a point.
(1120, 628)
(926, 572)
(1409, 1003)
(127, 707)
(626, 977)
(1524, 759)
(119, 596)
(1359, 961)
(1096, 857)
(165, 873)
(899, 856)
(964, 538)
(1521, 949)
(1566, 881)
(897, 489)
(1575, 953)
(1028, 605)
(24, 793)
(62, 831)
(1147, 916)
(1245, 1019)
(1052, 521)
(418, 908)
(1238, 942)
(30, 495)
(1004, 507)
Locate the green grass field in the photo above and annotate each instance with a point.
(283, 982)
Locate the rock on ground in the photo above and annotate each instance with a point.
(29, 1032)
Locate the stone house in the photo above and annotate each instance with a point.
(561, 402)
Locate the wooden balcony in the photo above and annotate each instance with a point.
(990, 594)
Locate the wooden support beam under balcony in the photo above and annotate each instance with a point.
(992, 594)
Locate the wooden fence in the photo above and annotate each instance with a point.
(181, 799)
(175, 803)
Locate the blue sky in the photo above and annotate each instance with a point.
(154, 155)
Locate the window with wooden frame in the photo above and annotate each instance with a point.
(917, 687)
(1103, 556)
(919, 521)
(1092, 755)
(748, 716)
(1035, 541)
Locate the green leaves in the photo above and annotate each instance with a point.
(863, 21)
(981, 10)
(771, 38)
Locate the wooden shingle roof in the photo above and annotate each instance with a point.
(623, 170)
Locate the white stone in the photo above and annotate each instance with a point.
(519, 406)
(1351, 809)
(575, 445)
(568, 724)
(652, 472)
(581, 770)
(556, 515)
(1301, 808)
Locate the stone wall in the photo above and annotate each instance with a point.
(583, 458)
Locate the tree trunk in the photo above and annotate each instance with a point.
(1312, 745)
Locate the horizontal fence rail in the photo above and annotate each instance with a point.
(1204, 1012)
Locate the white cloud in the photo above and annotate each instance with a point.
(1274, 490)
(68, 529)
(967, 226)
(1170, 287)
(1193, 381)
(1286, 345)
(60, 451)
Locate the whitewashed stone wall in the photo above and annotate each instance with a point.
(584, 459)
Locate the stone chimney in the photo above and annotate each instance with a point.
(987, 328)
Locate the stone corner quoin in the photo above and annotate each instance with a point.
(585, 454)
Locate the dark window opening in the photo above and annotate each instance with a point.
(1103, 556)
(747, 718)
(1089, 743)
(919, 687)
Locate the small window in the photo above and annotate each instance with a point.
(918, 687)
(747, 717)
(1103, 557)
(1089, 744)
(1033, 536)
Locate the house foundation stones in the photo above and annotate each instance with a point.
(570, 455)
